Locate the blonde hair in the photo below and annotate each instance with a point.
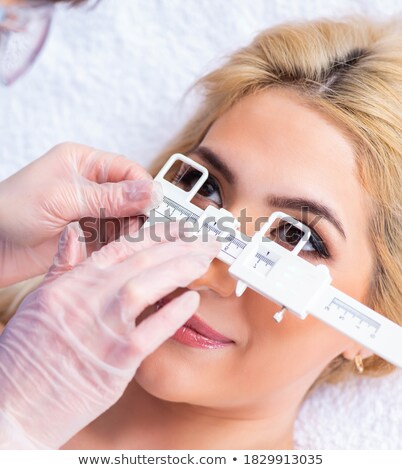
(351, 70)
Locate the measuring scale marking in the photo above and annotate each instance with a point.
(230, 249)
(344, 310)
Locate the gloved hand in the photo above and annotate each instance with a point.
(72, 347)
(68, 183)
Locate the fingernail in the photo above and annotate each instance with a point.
(144, 190)
(157, 195)
(76, 228)
(63, 240)
(153, 192)
(135, 190)
(203, 260)
(189, 300)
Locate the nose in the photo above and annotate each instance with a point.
(217, 279)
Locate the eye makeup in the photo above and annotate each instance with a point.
(288, 234)
(210, 193)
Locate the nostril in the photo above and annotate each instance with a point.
(226, 287)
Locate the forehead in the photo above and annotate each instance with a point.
(276, 127)
(274, 142)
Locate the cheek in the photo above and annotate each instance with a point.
(353, 276)
(289, 351)
(354, 263)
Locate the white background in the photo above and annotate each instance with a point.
(114, 78)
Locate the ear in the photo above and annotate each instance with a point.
(352, 351)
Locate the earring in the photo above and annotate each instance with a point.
(359, 363)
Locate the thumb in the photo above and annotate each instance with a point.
(71, 250)
(123, 199)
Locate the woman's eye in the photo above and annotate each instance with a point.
(209, 190)
(290, 235)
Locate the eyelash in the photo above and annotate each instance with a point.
(188, 177)
(319, 249)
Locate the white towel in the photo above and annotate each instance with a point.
(361, 413)
(114, 78)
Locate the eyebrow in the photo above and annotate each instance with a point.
(280, 202)
(307, 206)
(209, 156)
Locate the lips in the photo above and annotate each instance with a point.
(198, 334)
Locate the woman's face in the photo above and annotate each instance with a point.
(270, 152)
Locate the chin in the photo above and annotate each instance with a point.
(167, 374)
(178, 373)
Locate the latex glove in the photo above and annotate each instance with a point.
(72, 347)
(70, 182)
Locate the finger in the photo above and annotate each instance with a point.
(100, 232)
(134, 343)
(154, 256)
(124, 199)
(142, 244)
(71, 250)
(130, 227)
(133, 242)
(150, 286)
(102, 167)
(157, 328)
